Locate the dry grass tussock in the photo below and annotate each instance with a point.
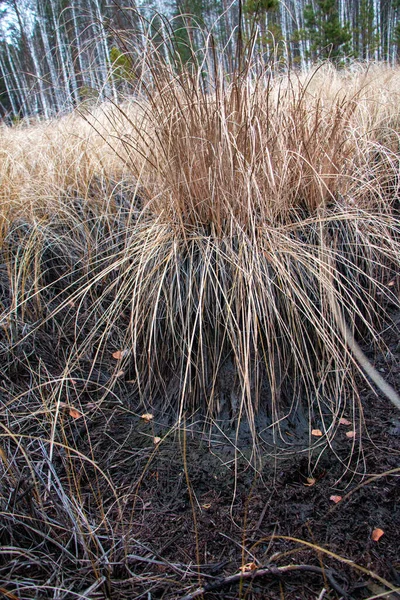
(214, 233)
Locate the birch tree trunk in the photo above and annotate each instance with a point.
(49, 57)
(9, 88)
(109, 86)
(29, 46)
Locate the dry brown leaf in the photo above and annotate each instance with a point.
(310, 482)
(344, 421)
(119, 354)
(351, 434)
(248, 567)
(317, 432)
(74, 413)
(377, 534)
(147, 417)
(335, 499)
(3, 456)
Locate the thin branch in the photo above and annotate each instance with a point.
(274, 571)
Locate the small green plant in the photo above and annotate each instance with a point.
(120, 64)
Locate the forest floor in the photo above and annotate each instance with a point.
(202, 513)
(193, 513)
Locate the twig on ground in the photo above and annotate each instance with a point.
(274, 571)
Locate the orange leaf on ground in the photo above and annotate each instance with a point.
(75, 414)
(344, 421)
(335, 499)
(3, 456)
(310, 482)
(350, 434)
(248, 567)
(377, 534)
(147, 417)
(118, 354)
(317, 432)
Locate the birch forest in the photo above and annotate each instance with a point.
(56, 54)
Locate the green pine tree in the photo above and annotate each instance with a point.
(367, 29)
(258, 10)
(254, 7)
(329, 39)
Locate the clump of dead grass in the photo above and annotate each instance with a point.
(267, 203)
(210, 229)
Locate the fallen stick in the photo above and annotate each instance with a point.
(274, 571)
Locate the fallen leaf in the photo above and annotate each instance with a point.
(335, 499)
(206, 506)
(351, 434)
(310, 482)
(3, 456)
(248, 567)
(147, 417)
(344, 421)
(156, 440)
(119, 354)
(317, 432)
(75, 414)
(377, 534)
(391, 283)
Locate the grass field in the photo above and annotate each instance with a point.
(187, 281)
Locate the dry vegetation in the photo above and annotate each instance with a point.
(213, 242)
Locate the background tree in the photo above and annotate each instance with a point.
(55, 54)
(260, 10)
(329, 38)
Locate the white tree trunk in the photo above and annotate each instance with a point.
(9, 87)
(49, 57)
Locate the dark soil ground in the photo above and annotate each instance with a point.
(192, 510)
